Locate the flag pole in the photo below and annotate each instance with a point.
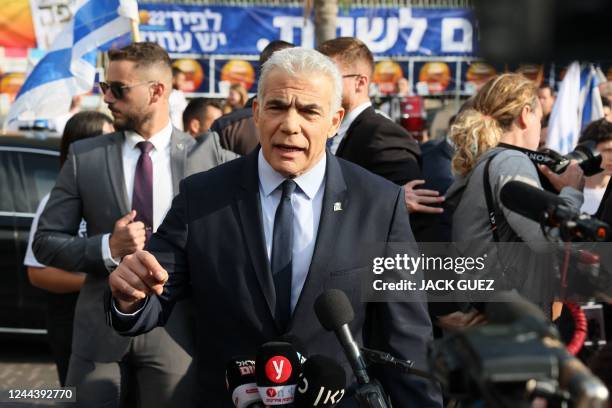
(135, 30)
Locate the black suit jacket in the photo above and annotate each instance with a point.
(382, 147)
(237, 130)
(212, 244)
(604, 212)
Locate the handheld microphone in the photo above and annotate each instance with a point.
(547, 208)
(321, 384)
(240, 382)
(585, 389)
(334, 311)
(277, 370)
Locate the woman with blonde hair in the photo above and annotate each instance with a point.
(236, 99)
(503, 116)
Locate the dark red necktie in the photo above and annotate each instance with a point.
(142, 198)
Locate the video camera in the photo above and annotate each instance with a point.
(512, 360)
(585, 154)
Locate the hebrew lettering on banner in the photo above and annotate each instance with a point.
(49, 18)
(183, 31)
(247, 30)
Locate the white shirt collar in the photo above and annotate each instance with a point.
(160, 140)
(309, 182)
(351, 116)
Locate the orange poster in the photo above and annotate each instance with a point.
(16, 28)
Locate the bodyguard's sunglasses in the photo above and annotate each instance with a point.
(118, 89)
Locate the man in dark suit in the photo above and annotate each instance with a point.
(365, 137)
(257, 240)
(122, 185)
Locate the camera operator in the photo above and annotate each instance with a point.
(504, 114)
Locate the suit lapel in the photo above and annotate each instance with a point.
(114, 161)
(178, 159)
(349, 131)
(335, 205)
(249, 207)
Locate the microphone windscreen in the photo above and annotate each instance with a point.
(510, 307)
(333, 309)
(297, 344)
(277, 371)
(527, 200)
(240, 381)
(322, 383)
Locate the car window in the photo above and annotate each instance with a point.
(12, 182)
(25, 177)
(41, 171)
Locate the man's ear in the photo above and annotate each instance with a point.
(363, 83)
(158, 91)
(256, 111)
(335, 122)
(194, 126)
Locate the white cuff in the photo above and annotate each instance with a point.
(120, 313)
(110, 262)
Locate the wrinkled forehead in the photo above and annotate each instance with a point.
(278, 80)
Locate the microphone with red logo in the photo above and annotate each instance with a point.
(321, 384)
(278, 368)
(240, 382)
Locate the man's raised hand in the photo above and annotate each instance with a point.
(139, 275)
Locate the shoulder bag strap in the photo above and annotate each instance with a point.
(489, 198)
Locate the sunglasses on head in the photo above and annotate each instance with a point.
(118, 89)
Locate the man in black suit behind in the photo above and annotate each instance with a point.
(365, 137)
(220, 241)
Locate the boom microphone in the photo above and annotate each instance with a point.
(321, 383)
(547, 208)
(278, 368)
(240, 382)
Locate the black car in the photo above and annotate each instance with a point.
(29, 165)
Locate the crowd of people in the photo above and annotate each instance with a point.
(165, 253)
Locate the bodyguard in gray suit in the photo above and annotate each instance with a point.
(122, 185)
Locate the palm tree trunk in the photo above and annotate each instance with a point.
(325, 13)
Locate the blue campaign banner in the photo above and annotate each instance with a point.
(232, 30)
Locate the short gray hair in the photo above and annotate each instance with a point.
(299, 60)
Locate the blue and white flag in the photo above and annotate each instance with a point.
(578, 104)
(69, 68)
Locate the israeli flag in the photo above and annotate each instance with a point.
(578, 104)
(69, 68)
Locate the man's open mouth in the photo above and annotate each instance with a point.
(288, 148)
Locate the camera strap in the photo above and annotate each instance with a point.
(537, 157)
(489, 197)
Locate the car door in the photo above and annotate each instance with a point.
(26, 175)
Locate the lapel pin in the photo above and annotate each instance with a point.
(338, 206)
(179, 146)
